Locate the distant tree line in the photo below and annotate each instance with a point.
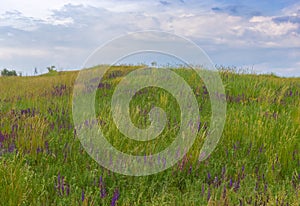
(6, 72)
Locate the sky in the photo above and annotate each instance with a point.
(262, 36)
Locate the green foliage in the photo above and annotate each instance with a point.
(6, 72)
(51, 69)
(19, 185)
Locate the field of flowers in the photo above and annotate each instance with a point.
(257, 160)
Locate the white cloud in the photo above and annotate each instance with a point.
(9, 53)
(293, 10)
(32, 8)
(267, 26)
(61, 30)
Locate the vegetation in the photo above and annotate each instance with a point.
(6, 72)
(257, 161)
(51, 69)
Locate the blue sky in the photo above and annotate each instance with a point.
(259, 35)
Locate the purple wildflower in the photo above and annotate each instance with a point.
(190, 170)
(199, 126)
(82, 196)
(236, 186)
(208, 194)
(224, 191)
(47, 146)
(102, 188)
(11, 148)
(68, 190)
(62, 186)
(2, 137)
(216, 181)
(58, 178)
(208, 176)
(202, 190)
(230, 183)
(261, 148)
(115, 197)
(39, 150)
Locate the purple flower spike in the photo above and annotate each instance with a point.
(236, 186)
(82, 196)
(62, 186)
(58, 180)
(224, 191)
(208, 194)
(68, 190)
(208, 176)
(11, 148)
(102, 188)
(230, 183)
(216, 181)
(190, 170)
(115, 197)
(47, 146)
(2, 137)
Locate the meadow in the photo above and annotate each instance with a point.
(256, 162)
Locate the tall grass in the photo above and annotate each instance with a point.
(256, 162)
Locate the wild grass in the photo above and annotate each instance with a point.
(256, 162)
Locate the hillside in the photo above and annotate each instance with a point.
(256, 162)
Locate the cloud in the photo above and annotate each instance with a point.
(165, 3)
(67, 33)
(11, 53)
(289, 15)
(237, 10)
(269, 27)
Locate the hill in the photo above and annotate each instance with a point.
(256, 162)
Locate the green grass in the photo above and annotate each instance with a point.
(256, 162)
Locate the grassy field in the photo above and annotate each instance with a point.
(257, 161)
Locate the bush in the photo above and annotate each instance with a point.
(51, 69)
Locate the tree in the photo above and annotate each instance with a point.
(154, 64)
(51, 69)
(35, 71)
(6, 72)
